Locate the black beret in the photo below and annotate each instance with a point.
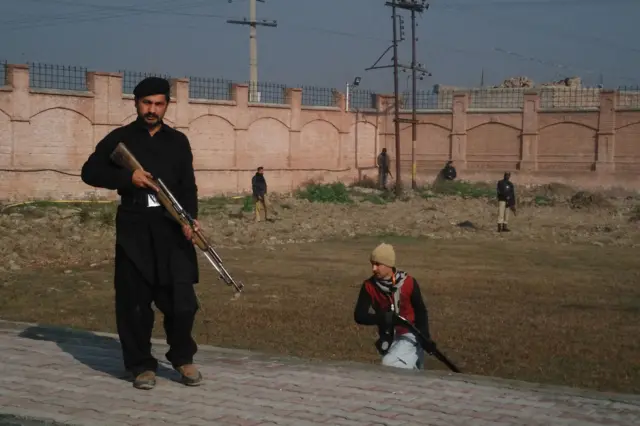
(152, 86)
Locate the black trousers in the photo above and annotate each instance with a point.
(135, 317)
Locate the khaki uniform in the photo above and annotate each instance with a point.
(260, 204)
(503, 213)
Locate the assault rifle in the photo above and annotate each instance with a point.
(123, 157)
(425, 344)
(511, 204)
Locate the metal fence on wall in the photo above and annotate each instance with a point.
(497, 98)
(73, 78)
(361, 99)
(210, 88)
(57, 77)
(427, 100)
(3, 73)
(269, 93)
(629, 97)
(318, 96)
(569, 98)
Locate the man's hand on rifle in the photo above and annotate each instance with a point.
(143, 179)
(188, 232)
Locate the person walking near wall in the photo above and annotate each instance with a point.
(384, 168)
(155, 259)
(259, 189)
(506, 193)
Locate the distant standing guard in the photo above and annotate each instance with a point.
(259, 189)
(155, 259)
(506, 200)
(384, 168)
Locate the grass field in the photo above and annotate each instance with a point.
(531, 310)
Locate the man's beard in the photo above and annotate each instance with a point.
(150, 116)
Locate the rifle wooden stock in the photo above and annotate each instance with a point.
(123, 157)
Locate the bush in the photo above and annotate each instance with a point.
(588, 200)
(366, 182)
(247, 204)
(464, 189)
(325, 193)
(374, 198)
(541, 200)
(634, 215)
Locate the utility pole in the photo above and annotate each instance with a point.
(414, 118)
(396, 110)
(253, 45)
(413, 6)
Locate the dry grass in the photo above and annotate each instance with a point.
(563, 314)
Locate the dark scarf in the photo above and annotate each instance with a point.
(386, 285)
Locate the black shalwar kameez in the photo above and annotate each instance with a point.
(154, 260)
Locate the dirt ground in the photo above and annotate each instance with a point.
(556, 300)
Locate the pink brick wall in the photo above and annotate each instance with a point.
(46, 135)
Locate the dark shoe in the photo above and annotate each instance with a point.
(190, 375)
(145, 380)
(505, 229)
(499, 227)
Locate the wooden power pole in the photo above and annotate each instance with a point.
(413, 6)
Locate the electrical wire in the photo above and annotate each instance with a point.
(130, 11)
(485, 3)
(139, 11)
(455, 5)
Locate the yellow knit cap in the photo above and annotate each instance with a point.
(384, 255)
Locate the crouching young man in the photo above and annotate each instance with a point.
(387, 291)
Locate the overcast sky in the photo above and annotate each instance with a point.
(329, 42)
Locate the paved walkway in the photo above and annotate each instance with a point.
(70, 377)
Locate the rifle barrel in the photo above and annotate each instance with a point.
(423, 342)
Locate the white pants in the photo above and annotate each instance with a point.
(405, 352)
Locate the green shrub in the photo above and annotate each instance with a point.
(374, 198)
(541, 200)
(325, 193)
(464, 189)
(247, 204)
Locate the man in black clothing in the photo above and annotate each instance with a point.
(390, 291)
(155, 260)
(449, 172)
(384, 168)
(259, 189)
(506, 193)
